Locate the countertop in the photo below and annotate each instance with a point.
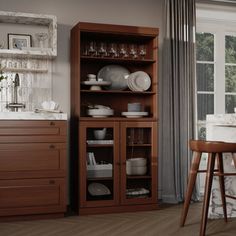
(32, 116)
(222, 119)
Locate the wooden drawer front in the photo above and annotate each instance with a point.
(18, 197)
(33, 131)
(31, 160)
(30, 131)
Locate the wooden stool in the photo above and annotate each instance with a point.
(214, 150)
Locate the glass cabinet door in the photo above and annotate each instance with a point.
(139, 162)
(99, 169)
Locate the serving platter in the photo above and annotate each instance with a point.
(98, 189)
(115, 74)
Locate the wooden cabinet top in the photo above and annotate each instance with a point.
(117, 29)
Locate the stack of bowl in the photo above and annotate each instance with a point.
(136, 166)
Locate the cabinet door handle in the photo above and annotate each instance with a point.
(52, 123)
(51, 146)
(51, 181)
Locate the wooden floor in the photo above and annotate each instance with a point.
(162, 222)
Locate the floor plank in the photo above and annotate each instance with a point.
(164, 222)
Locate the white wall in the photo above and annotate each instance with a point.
(70, 12)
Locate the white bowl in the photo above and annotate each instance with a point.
(100, 133)
(139, 161)
(136, 170)
(101, 112)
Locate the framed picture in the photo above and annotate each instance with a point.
(18, 41)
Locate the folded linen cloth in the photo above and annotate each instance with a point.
(234, 159)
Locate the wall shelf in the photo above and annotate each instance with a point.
(47, 21)
(39, 70)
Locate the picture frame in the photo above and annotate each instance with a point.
(19, 41)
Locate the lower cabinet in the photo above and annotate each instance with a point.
(117, 166)
(32, 196)
(32, 168)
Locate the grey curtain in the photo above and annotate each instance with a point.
(177, 98)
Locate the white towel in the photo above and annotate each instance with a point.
(234, 160)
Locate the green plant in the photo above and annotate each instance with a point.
(2, 76)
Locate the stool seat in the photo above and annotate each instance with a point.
(212, 146)
(215, 149)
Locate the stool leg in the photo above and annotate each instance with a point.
(208, 185)
(222, 184)
(191, 182)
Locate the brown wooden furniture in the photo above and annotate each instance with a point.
(32, 168)
(127, 137)
(214, 150)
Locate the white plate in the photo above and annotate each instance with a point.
(97, 189)
(139, 81)
(115, 74)
(134, 114)
(101, 83)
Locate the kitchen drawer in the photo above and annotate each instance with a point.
(32, 160)
(33, 131)
(32, 196)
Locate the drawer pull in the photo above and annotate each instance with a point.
(52, 123)
(51, 181)
(52, 146)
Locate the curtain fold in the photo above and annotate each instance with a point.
(177, 98)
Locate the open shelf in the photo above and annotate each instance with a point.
(138, 177)
(129, 92)
(100, 178)
(48, 22)
(117, 60)
(39, 70)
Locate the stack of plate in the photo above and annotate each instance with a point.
(137, 114)
(99, 113)
(139, 81)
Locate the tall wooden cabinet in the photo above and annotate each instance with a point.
(111, 185)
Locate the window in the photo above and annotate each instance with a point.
(216, 65)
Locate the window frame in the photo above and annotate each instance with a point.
(220, 30)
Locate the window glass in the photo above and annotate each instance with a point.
(205, 46)
(230, 49)
(230, 78)
(230, 103)
(205, 77)
(205, 105)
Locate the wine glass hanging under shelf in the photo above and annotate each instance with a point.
(114, 50)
